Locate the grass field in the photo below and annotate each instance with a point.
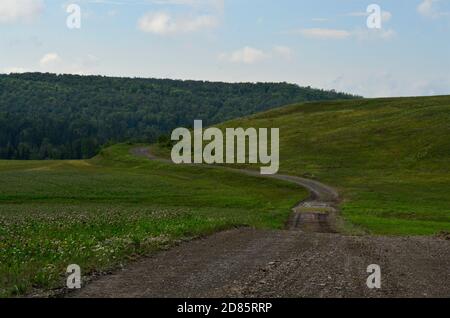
(103, 212)
(389, 158)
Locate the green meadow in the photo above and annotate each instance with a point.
(389, 158)
(104, 212)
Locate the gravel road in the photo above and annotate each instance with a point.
(308, 259)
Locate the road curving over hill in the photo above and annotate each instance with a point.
(306, 260)
(316, 214)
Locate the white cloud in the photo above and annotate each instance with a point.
(201, 15)
(20, 10)
(283, 51)
(385, 15)
(426, 8)
(216, 5)
(246, 55)
(49, 59)
(341, 34)
(52, 62)
(159, 23)
(197, 23)
(358, 14)
(320, 19)
(162, 23)
(367, 34)
(336, 34)
(112, 13)
(14, 69)
(325, 33)
(84, 66)
(385, 84)
(431, 9)
(250, 55)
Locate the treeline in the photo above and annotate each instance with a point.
(48, 116)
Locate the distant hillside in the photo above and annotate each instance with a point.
(47, 116)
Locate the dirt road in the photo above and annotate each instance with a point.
(316, 214)
(306, 260)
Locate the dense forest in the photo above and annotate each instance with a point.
(48, 116)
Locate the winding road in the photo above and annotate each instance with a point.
(308, 259)
(315, 214)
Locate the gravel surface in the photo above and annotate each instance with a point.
(256, 263)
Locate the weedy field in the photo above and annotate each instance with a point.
(389, 158)
(104, 212)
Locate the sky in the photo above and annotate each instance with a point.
(402, 50)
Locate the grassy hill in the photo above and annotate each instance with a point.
(103, 212)
(390, 158)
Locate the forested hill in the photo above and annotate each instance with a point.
(47, 116)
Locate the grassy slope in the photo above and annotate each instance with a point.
(390, 158)
(99, 213)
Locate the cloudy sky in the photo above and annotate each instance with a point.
(319, 43)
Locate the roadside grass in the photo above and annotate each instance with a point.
(389, 158)
(104, 212)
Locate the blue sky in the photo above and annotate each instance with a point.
(319, 43)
